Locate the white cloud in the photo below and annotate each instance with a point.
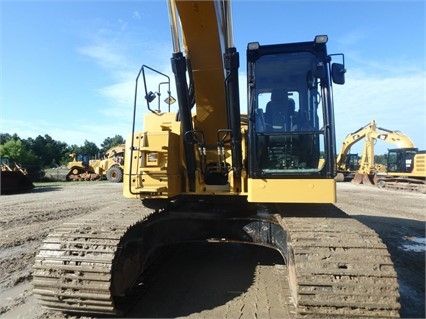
(105, 54)
(120, 94)
(136, 15)
(351, 38)
(113, 50)
(386, 67)
(394, 95)
(396, 103)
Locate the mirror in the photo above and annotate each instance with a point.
(338, 73)
(150, 96)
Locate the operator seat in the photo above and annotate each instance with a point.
(276, 110)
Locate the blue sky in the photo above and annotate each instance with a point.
(68, 68)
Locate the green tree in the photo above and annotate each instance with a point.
(5, 137)
(380, 159)
(110, 142)
(50, 151)
(89, 148)
(12, 150)
(16, 151)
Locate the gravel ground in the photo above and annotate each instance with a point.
(199, 281)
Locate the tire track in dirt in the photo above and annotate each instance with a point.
(25, 220)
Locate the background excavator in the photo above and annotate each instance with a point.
(81, 168)
(210, 172)
(347, 165)
(364, 169)
(405, 168)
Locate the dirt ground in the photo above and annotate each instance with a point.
(203, 281)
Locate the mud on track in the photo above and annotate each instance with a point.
(202, 281)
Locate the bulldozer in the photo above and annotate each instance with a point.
(110, 166)
(14, 178)
(212, 172)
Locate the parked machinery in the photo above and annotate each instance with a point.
(14, 178)
(347, 170)
(110, 166)
(209, 173)
(365, 172)
(406, 170)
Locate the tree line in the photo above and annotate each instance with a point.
(45, 152)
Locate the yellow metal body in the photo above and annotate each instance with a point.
(292, 190)
(155, 168)
(418, 171)
(113, 157)
(156, 165)
(419, 165)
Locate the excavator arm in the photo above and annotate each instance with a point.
(396, 138)
(212, 62)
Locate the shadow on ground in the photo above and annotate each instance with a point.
(195, 277)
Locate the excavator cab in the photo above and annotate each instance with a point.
(352, 161)
(401, 159)
(291, 125)
(84, 159)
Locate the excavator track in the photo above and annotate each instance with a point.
(337, 267)
(80, 174)
(402, 184)
(74, 269)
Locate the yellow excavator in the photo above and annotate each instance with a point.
(364, 170)
(406, 165)
(215, 171)
(406, 170)
(347, 168)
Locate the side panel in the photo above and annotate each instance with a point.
(419, 165)
(292, 190)
(154, 166)
(418, 168)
